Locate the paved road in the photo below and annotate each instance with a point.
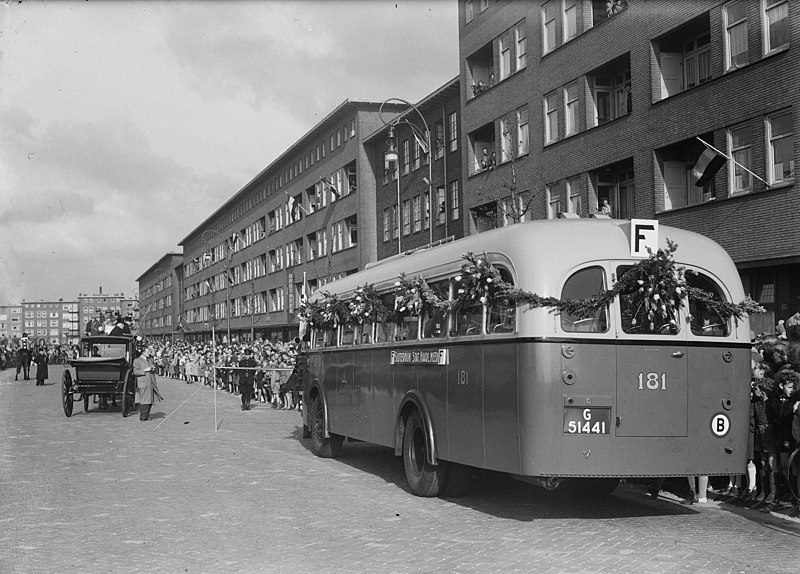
(99, 493)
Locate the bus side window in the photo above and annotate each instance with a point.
(434, 323)
(407, 329)
(468, 319)
(330, 337)
(365, 336)
(348, 334)
(503, 314)
(384, 331)
(706, 322)
(584, 284)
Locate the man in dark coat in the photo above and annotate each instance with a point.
(246, 378)
(41, 367)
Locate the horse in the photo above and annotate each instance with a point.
(24, 363)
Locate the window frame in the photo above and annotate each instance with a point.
(770, 138)
(549, 36)
(551, 123)
(768, 48)
(732, 167)
(728, 26)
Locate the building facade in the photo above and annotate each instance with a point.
(419, 192)
(10, 322)
(581, 103)
(51, 322)
(160, 289)
(307, 218)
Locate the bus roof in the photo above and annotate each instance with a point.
(552, 248)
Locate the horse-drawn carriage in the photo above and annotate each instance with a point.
(104, 368)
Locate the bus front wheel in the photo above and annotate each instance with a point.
(424, 478)
(323, 447)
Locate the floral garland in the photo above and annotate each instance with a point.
(653, 290)
(367, 306)
(653, 287)
(416, 297)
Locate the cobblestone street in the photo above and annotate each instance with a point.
(101, 493)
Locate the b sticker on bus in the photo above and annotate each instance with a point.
(587, 420)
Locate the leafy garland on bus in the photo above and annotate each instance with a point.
(656, 283)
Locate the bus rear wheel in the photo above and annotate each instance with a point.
(424, 478)
(323, 447)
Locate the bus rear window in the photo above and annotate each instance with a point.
(634, 314)
(582, 285)
(705, 321)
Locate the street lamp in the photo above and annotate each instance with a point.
(206, 238)
(391, 155)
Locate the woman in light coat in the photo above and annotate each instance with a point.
(146, 387)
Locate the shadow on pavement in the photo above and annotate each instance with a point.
(498, 495)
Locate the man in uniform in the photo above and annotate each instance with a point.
(24, 357)
(246, 378)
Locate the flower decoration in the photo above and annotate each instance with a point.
(415, 297)
(366, 306)
(651, 293)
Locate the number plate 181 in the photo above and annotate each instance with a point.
(587, 420)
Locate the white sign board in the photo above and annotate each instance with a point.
(644, 236)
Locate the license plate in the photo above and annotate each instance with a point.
(587, 420)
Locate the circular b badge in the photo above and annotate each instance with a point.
(720, 424)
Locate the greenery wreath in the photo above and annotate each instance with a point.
(654, 289)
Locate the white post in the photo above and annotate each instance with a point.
(214, 370)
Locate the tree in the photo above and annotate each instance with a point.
(509, 201)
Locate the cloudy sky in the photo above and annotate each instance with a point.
(123, 125)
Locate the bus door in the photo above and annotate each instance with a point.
(652, 373)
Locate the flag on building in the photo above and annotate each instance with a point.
(707, 166)
(422, 145)
(333, 189)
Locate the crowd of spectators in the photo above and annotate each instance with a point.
(56, 354)
(771, 480)
(193, 362)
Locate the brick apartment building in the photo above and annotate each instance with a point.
(417, 175)
(160, 289)
(307, 218)
(51, 322)
(10, 322)
(566, 104)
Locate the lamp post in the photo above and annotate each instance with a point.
(392, 156)
(206, 238)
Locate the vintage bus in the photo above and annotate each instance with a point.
(541, 395)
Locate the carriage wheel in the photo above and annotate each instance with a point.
(128, 394)
(86, 403)
(66, 393)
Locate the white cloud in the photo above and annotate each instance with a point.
(126, 124)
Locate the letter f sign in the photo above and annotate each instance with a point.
(644, 236)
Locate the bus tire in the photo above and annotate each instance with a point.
(323, 447)
(457, 481)
(424, 478)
